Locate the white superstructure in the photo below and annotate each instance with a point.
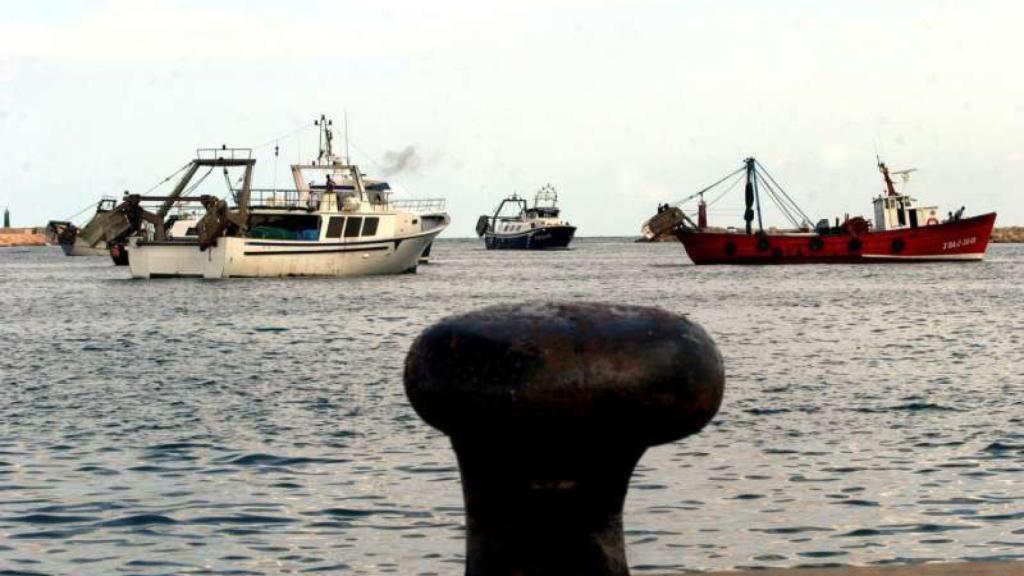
(895, 210)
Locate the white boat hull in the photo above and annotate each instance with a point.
(235, 257)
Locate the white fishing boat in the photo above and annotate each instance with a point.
(337, 223)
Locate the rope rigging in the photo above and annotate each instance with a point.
(172, 175)
(726, 191)
(198, 182)
(82, 211)
(705, 189)
(762, 181)
(776, 199)
(276, 140)
(794, 206)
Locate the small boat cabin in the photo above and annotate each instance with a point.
(894, 211)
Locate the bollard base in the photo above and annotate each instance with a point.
(547, 510)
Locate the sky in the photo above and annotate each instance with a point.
(621, 105)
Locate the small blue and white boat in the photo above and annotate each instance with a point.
(516, 226)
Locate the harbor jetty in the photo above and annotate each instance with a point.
(1008, 234)
(22, 237)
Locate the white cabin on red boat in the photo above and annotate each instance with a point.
(898, 211)
(895, 211)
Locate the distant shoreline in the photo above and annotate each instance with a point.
(22, 237)
(1008, 234)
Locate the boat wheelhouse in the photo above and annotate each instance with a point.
(335, 222)
(903, 230)
(515, 225)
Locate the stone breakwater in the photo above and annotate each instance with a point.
(22, 237)
(1008, 234)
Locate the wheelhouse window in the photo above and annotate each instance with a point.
(352, 226)
(334, 226)
(370, 226)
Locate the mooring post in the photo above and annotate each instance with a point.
(549, 407)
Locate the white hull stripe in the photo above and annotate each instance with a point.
(969, 256)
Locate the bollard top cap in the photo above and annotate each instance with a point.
(626, 374)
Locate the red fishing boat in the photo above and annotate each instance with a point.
(902, 230)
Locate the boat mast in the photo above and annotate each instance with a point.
(752, 196)
(348, 159)
(326, 150)
(890, 187)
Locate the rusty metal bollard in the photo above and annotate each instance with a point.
(549, 407)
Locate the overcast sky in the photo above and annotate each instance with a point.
(621, 105)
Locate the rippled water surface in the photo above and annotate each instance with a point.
(873, 414)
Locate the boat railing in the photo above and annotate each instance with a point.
(291, 198)
(274, 198)
(224, 153)
(188, 212)
(420, 205)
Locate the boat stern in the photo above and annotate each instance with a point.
(174, 259)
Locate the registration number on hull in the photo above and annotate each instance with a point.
(953, 244)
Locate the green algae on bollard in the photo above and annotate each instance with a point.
(548, 408)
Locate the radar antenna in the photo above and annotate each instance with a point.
(904, 174)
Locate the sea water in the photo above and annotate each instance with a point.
(873, 414)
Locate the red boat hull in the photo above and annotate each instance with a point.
(965, 239)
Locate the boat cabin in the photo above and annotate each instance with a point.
(332, 201)
(106, 204)
(893, 212)
(537, 212)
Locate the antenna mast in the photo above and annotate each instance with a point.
(348, 159)
(889, 186)
(326, 150)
